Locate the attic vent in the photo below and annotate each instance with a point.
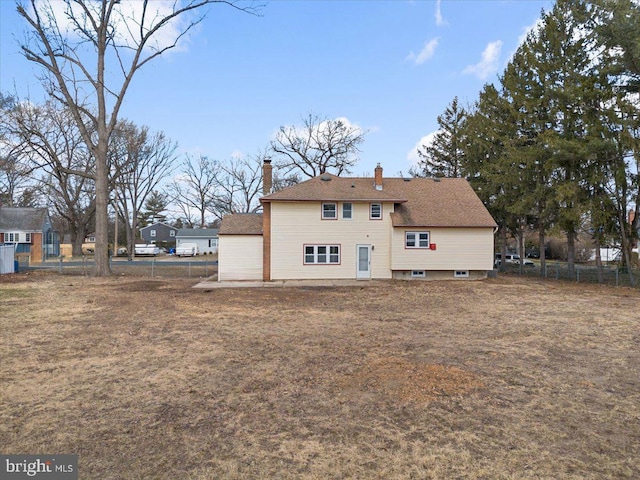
(436, 179)
(325, 178)
(407, 179)
(353, 185)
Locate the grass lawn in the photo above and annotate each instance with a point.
(148, 378)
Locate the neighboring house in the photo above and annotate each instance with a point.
(30, 230)
(333, 227)
(159, 233)
(205, 238)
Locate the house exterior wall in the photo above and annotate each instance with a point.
(203, 244)
(36, 247)
(296, 224)
(456, 249)
(240, 257)
(163, 233)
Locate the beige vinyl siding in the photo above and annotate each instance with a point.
(240, 257)
(456, 249)
(295, 224)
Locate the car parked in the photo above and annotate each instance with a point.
(512, 258)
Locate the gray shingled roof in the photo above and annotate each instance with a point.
(197, 232)
(241, 224)
(22, 218)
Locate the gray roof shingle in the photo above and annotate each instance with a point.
(22, 218)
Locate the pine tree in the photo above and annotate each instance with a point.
(443, 157)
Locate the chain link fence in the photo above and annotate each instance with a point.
(161, 268)
(612, 275)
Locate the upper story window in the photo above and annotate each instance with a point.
(416, 239)
(329, 211)
(347, 211)
(152, 233)
(172, 233)
(375, 211)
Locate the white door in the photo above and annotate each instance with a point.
(364, 261)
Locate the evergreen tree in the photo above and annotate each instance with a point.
(443, 157)
(154, 208)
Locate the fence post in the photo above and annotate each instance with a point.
(60, 267)
(206, 269)
(153, 264)
(189, 268)
(577, 275)
(557, 270)
(617, 277)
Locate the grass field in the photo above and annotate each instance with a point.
(148, 378)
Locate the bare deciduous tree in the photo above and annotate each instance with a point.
(320, 145)
(48, 141)
(193, 189)
(238, 186)
(140, 162)
(89, 53)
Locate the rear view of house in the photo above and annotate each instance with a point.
(333, 227)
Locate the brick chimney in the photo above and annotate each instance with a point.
(378, 177)
(267, 177)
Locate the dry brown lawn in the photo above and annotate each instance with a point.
(150, 378)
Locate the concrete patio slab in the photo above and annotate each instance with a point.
(212, 284)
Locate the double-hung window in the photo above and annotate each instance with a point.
(17, 237)
(347, 211)
(329, 211)
(416, 239)
(322, 254)
(375, 211)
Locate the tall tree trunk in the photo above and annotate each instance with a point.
(543, 251)
(626, 243)
(598, 257)
(101, 266)
(571, 254)
(78, 235)
(503, 255)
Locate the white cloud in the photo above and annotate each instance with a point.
(319, 127)
(489, 62)
(440, 22)
(425, 54)
(412, 155)
(535, 26)
(126, 18)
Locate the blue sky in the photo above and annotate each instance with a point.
(388, 66)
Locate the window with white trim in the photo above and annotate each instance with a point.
(172, 233)
(329, 211)
(418, 273)
(375, 211)
(17, 237)
(416, 239)
(322, 254)
(461, 274)
(152, 233)
(347, 211)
